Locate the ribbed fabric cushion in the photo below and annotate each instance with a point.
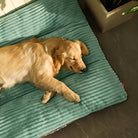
(21, 111)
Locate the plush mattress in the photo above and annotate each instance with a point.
(21, 112)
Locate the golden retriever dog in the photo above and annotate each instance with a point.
(38, 60)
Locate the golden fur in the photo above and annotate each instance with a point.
(38, 60)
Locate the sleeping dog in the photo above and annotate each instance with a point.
(38, 60)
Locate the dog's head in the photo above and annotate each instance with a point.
(70, 54)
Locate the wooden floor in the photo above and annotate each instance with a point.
(120, 46)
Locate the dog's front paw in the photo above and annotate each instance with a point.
(73, 97)
(45, 98)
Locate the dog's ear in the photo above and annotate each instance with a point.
(64, 67)
(58, 59)
(60, 56)
(84, 49)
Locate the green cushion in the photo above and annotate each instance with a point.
(21, 111)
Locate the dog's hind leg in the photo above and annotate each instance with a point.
(47, 96)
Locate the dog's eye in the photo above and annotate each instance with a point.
(71, 58)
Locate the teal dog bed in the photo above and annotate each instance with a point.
(22, 115)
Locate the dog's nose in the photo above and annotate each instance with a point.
(83, 70)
